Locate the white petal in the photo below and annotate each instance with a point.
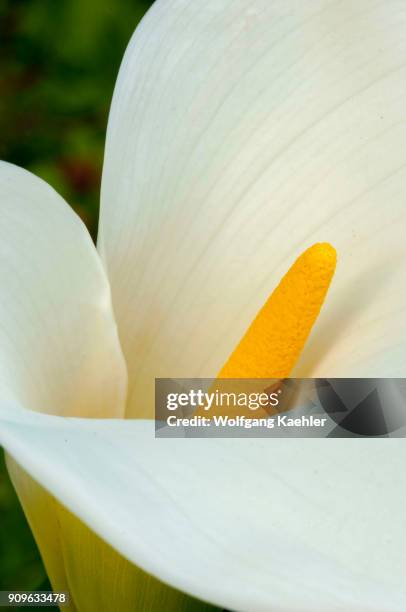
(240, 133)
(59, 349)
(248, 525)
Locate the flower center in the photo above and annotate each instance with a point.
(273, 342)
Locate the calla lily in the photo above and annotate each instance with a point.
(241, 133)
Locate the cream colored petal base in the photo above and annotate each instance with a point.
(97, 577)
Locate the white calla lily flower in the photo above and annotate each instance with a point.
(241, 133)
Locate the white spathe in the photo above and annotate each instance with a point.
(241, 132)
(298, 525)
(59, 349)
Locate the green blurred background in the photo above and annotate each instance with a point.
(58, 63)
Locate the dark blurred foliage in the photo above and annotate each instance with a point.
(58, 64)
